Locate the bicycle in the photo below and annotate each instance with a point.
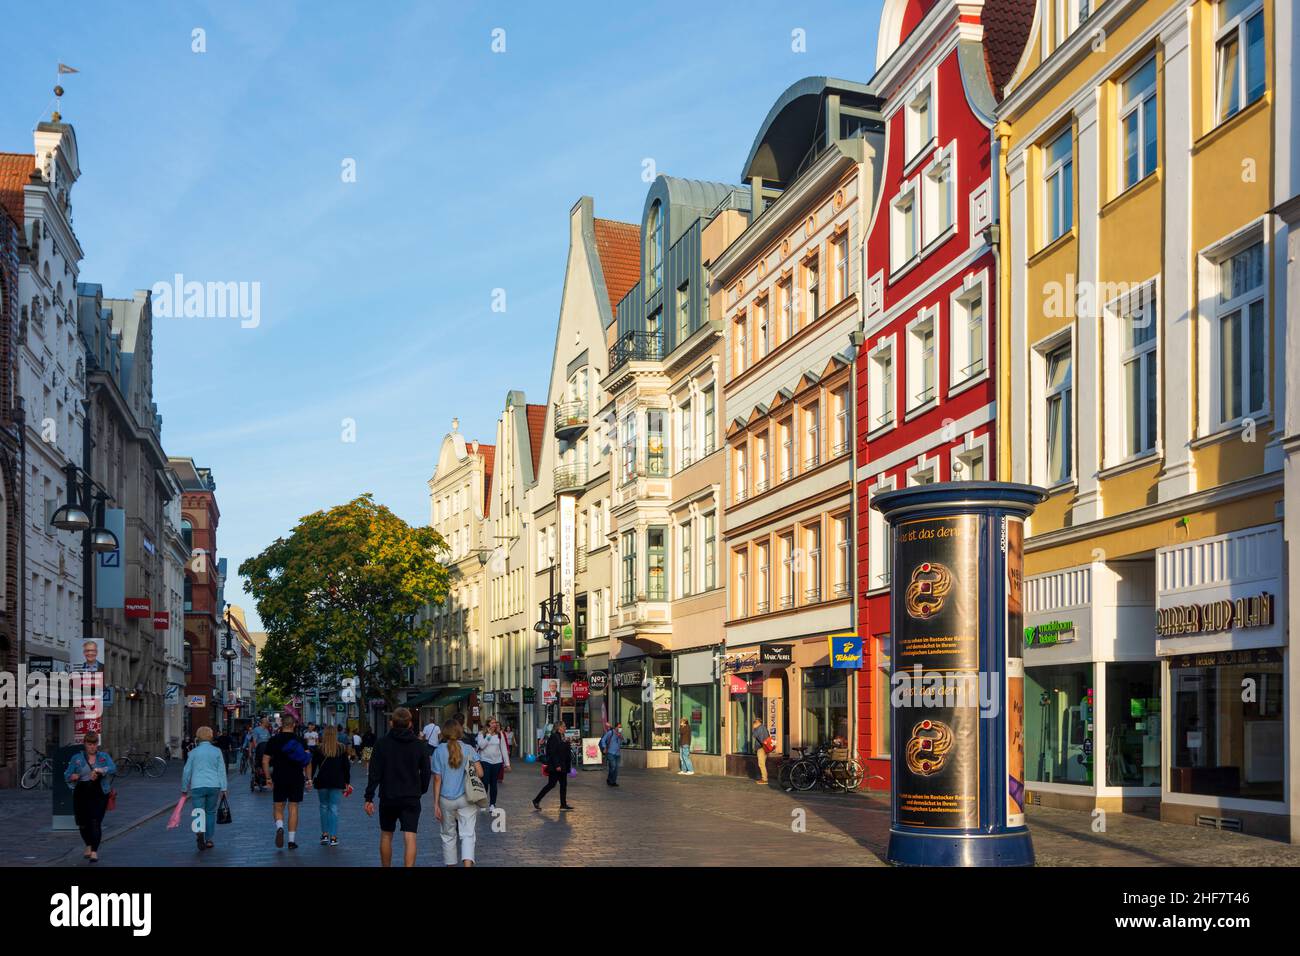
(836, 769)
(38, 775)
(143, 764)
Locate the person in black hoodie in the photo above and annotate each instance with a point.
(331, 776)
(400, 771)
(559, 760)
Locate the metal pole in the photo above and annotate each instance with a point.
(550, 642)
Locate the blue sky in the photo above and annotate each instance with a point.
(376, 294)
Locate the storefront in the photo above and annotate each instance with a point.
(696, 695)
(1092, 687)
(641, 699)
(1221, 629)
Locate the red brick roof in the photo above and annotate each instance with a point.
(536, 428)
(618, 244)
(15, 168)
(489, 453)
(1006, 31)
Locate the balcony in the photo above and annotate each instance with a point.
(570, 419)
(636, 347)
(570, 477)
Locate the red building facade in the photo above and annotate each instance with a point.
(926, 396)
(203, 613)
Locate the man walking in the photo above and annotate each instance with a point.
(400, 771)
(288, 764)
(559, 760)
(611, 745)
(759, 733)
(431, 734)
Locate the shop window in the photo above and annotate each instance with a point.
(1222, 745)
(1058, 723)
(825, 706)
(664, 732)
(883, 735)
(1239, 55)
(697, 705)
(746, 707)
(1133, 724)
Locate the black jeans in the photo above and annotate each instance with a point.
(553, 778)
(491, 774)
(89, 801)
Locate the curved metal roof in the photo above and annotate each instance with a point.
(791, 126)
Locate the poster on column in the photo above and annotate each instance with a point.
(1013, 538)
(935, 691)
(88, 702)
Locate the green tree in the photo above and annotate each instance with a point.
(339, 597)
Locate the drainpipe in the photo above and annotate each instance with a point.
(994, 236)
(21, 424)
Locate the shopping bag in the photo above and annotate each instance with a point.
(175, 819)
(223, 811)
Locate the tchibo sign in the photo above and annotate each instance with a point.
(1215, 616)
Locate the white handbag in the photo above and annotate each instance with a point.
(475, 790)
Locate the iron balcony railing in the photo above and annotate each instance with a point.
(636, 347)
(570, 418)
(570, 477)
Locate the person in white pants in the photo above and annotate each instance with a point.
(456, 815)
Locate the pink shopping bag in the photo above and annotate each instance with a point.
(175, 819)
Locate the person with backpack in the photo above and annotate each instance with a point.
(399, 771)
(760, 735)
(611, 745)
(288, 764)
(452, 761)
(331, 777)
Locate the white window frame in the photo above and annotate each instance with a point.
(685, 558)
(686, 433)
(740, 468)
(916, 400)
(914, 145)
(839, 250)
(973, 447)
(810, 428)
(927, 468)
(882, 395)
(960, 373)
(1127, 108)
(879, 553)
(740, 343)
(1063, 338)
(1236, 25)
(1064, 200)
(909, 193)
(1212, 313)
(1143, 296)
(945, 162)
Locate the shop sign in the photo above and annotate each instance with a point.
(735, 663)
(196, 700)
(162, 620)
(776, 653)
(1258, 655)
(629, 678)
(845, 651)
(137, 607)
(598, 681)
(1215, 616)
(489, 697)
(581, 690)
(530, 695)
(1050, 633)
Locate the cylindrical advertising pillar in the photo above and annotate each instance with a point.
(957, 687)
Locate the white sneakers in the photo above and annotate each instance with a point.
(685, 773)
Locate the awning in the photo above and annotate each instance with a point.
(453, 696)
(441, 697)
(419, 700)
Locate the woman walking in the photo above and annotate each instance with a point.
(684, 748)
(204, 779)
(332, 778)
(90, 773)
(494, 752)
(451, 761)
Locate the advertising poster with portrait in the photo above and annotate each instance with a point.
(1013, 538)
(936, 652)
(88, 705)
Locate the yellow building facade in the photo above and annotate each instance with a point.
(1143, 385)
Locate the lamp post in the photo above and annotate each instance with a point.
(552, 618)
(229, 655)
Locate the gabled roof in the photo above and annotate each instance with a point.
(15, 168)
(618, 244)
(1006, 31)
(536, 429)
(489, 455)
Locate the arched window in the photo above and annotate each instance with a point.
(187, 535)
(654, 250)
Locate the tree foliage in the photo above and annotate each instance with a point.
(338, 597)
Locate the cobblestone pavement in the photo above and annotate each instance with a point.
(25, 834)
(656, 818)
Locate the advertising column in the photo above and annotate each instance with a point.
(957, 686)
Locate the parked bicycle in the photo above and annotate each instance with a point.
(835, 769)
(143, 764)
(39, 775)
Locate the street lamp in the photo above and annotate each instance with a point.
(552, 618)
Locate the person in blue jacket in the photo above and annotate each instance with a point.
(90, 774)
(204, 779)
